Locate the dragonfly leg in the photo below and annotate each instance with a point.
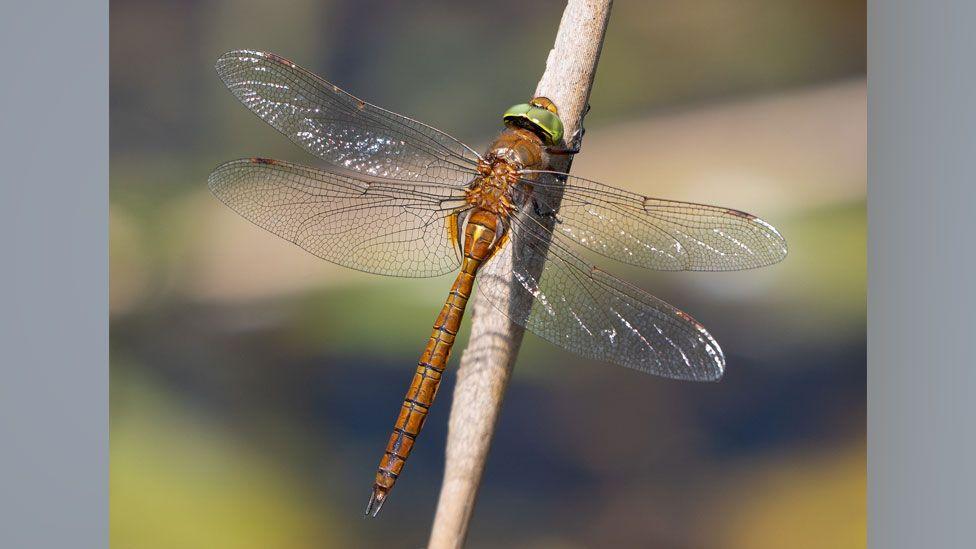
(541, 211)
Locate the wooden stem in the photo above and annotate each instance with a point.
(486, 364)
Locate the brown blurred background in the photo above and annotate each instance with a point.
(254, 386)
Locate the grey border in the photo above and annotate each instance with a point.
(53, 226)
(921, 268)
(54, 274)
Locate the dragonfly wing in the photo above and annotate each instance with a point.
(591, 313)
(396, 228)
(340, 128)
(658, 234)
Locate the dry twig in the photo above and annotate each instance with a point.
(488, 360)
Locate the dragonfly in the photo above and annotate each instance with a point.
(401, 198)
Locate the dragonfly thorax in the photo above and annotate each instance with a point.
(501, 169)
(492, 190)
(520, 147)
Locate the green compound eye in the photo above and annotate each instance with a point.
(535, 116)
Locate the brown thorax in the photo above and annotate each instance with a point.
(492, 190)
(501, 168)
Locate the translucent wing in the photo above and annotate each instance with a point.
(593, 314)
(659, 234)
(386, 227)
(340, 128)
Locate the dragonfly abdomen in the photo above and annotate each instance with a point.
(479, 241)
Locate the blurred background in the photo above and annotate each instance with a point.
(254, 386)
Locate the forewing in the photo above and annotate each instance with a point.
(340, 128)
(658, 234)
(384, 227)
(591, 313)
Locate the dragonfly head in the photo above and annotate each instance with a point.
(539, 116)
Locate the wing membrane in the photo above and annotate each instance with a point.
(341, 128)
(591, 313)
(391, 228)
(659, 234)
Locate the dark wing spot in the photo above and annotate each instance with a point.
(269, 161)
(361, 105)
(738, 213)
(278, 59)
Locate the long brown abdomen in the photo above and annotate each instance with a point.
(478, 242)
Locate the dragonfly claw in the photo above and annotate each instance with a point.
(376, 500)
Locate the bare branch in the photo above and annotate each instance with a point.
(493, 347)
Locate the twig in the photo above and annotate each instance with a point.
(488, 360)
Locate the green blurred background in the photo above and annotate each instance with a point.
(254, 386)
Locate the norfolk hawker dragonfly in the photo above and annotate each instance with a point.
(398, 197)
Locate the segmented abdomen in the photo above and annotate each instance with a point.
(425, 382)
(479, 241)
